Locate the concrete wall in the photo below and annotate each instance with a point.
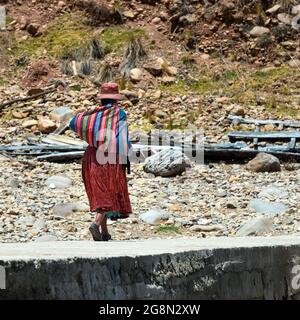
(215, 268)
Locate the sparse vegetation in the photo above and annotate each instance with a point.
(2, 81)
(69, 37)
(64, 36)
(9, 19)
(188, 60)
(105, 73)
(115, 38)
(133, 54)
(168, 229)
(241, 85)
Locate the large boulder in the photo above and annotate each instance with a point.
(167, 163)
(264, 162)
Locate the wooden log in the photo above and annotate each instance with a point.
(219, 154)
(264, 136)
(43, 147)
(283, 123)
(63, 140)
(62, 156)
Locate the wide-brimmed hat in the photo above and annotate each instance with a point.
(110, 91)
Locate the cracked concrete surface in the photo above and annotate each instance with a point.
(187, 268)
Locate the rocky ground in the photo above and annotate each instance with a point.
(204, 60)
(206, 200)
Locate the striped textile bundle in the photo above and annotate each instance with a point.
(105, 127)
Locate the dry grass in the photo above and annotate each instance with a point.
(133, 54)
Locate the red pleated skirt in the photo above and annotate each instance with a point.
(105, 185)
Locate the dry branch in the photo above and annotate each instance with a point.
(22, 99)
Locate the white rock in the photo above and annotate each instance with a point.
(156, 20)
(46, 238)
(167, 163)
(63, 210)
(172, 71)
(296, 10)
(61, 4)
(284, 18)
(273, 192)
(294, 63)
(203, 222)
(26, 220)
(39, 224)
(274, 9)
(136, 74)
(82, 207)
(259, 31)
(59, 182)
(200, 228)
(296, 23)
(257, 226)
(154, 216)
(129, 14)
(267, 207)
(61, 114)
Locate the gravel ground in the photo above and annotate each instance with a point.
(214, 197)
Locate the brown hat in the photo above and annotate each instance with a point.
(110, 91)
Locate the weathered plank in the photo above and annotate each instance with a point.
(42, 147)
(264, 136)
(283, 123)
(62, 156)
(63, 140)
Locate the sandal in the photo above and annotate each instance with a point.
(106, 237)
(96, 234)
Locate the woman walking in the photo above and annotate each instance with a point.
(105, 160)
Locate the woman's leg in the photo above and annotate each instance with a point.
(98, 218)
(103, 223)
